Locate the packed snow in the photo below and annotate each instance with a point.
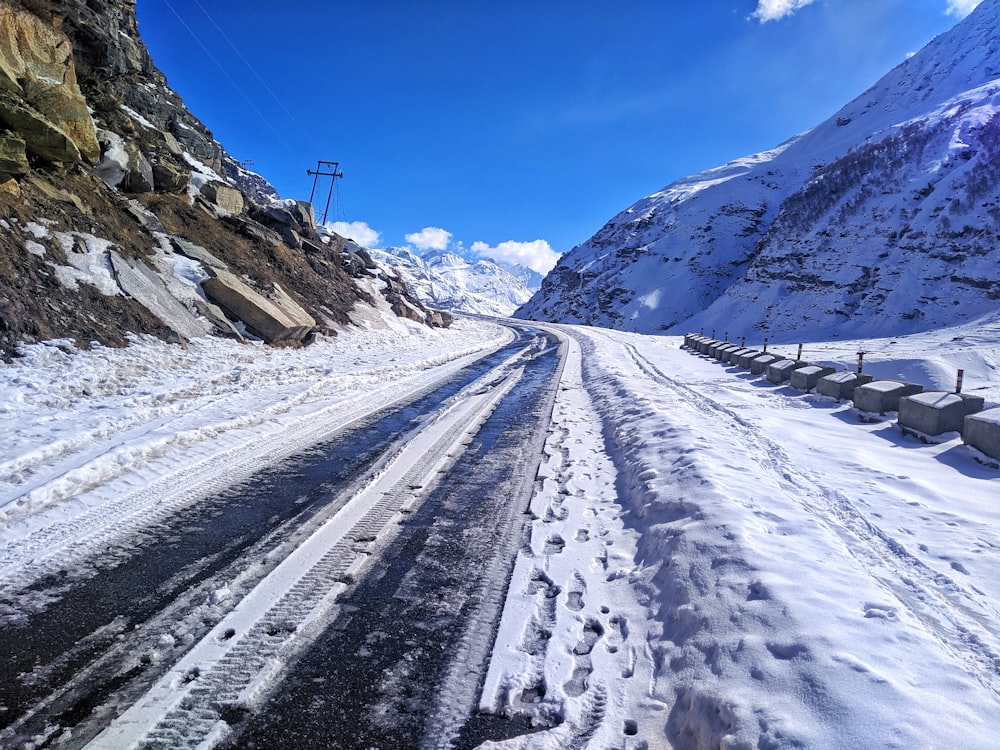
(715, 561)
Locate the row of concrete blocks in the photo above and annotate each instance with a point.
(919, 413)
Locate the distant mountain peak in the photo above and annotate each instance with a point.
(448, 281)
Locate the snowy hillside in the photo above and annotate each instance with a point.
(448, 281)
(880, 221)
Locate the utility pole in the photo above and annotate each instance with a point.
(333, 174)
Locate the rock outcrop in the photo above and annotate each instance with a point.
(121, 213)
(39, 96)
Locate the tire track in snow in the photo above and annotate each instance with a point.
(955, 617)
(60, 546)
(462, 682)
(232, 667)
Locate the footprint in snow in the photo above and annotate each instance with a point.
(880, 611)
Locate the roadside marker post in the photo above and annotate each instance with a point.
(958, 382)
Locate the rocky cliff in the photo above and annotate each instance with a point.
(119, 212)
(880, 221)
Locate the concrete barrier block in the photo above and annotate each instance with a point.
(748, 356)
(732, 356)
(881, 396)
(722, 353)
(780, 371)
(936, 412)
(808, 377)
(982, 432)
(704, 344)
(713, 348)
(841, 385)
(759, 363)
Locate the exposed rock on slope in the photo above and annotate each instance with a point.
(880, 221)
(120, 212)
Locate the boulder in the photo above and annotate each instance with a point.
(169, 179)
(196, 252)
(220, 323)
(304, 214)
(267, 318)
(57, 194)
(227, 198)
(937, 412)
(42, 137)
(10, 187)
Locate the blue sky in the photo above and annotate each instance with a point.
(516, 129)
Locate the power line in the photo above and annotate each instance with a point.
(228, 77)
(253, 70)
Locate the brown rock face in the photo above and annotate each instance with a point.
(13, 155)
(41, 100)
(95, 152)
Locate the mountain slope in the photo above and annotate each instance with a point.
(879, 221)
(450, 282)
(120, 213)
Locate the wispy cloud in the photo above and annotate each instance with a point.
(772, 10)
(961, 8)
(430, 238)
(537, 255)
(358, 231)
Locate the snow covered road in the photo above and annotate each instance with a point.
(803, 579)
(712, 560)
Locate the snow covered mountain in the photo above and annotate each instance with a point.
(448, 281)
(880, 221)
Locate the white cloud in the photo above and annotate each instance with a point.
(358, 231)
(772, 10)
(430, 238)
(538, 255)
(961, 8)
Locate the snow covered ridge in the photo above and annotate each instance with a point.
(878, 222)
(444, 280)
